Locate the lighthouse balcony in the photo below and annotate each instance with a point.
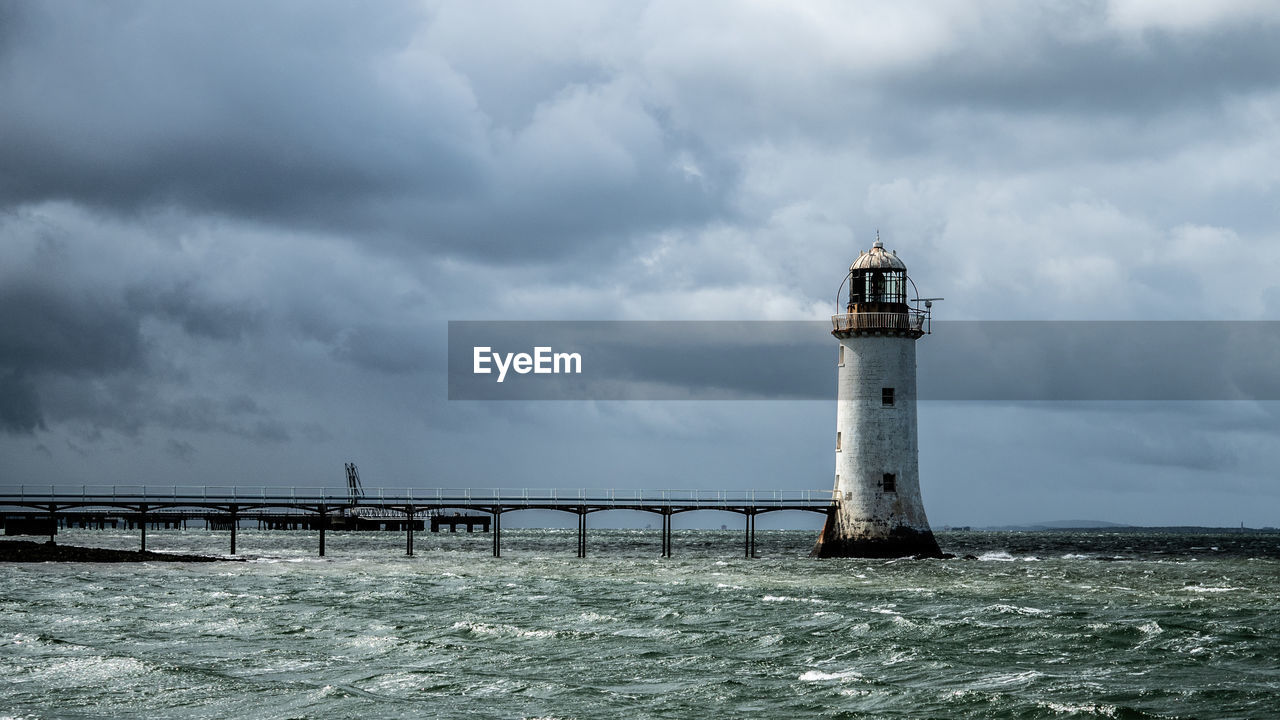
(906, 324)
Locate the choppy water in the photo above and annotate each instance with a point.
(1043, 625)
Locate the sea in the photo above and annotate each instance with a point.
(1056, 624)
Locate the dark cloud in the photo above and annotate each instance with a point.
(190, 106)
(180, 449)
(386, 349)
(324, 119)
(232, 416)
(198, 317)
(1100, 74)
(231, 236)
(44, 329)
(71, 353)
(50, 331)
(19, 405)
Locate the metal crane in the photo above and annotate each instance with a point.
(355, 492)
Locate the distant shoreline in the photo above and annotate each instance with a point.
(1181, 529)
(28, 551)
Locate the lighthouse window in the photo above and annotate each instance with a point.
(886, 397)
(890, 483)
(842, 354)
(837, 439)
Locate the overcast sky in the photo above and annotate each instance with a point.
(232, 234)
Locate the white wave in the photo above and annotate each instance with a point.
(1015, 610)
(21, 639)
(898, 657)
(1003, 556)
(788, 598)
(507, 630)
(769, 640)
(88, 670)
(1151, 628)
(1069, 709)
(998, 556)
(820, 676)
(373, 643)
(854, 692)
(645, 632)
(1006, 679)
(595, 617)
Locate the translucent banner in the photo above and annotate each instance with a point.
(958, 360)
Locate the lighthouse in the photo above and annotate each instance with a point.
(876, 508)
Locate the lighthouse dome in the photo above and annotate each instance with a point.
(877, 258)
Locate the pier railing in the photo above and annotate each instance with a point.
(334, 498)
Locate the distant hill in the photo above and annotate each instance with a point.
(1118, 527)
(1080, 524)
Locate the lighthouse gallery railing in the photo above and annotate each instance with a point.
(873, 321)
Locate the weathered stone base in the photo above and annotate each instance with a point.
(899, 542)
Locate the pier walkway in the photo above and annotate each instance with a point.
(327, 508)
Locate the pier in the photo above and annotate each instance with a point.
(470, 522)
(322, 509)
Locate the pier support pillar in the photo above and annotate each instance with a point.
(142, 523)
(666, 533)
(749, 540)
(497, 532)
(324, 516)
(582, 533)
(53, 522)
(234, 521)
(409, 539)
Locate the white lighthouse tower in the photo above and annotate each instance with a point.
(877, 510)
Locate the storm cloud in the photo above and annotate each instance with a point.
(320, 117)
(232, 235)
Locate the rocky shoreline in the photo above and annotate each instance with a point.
(27, 551)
